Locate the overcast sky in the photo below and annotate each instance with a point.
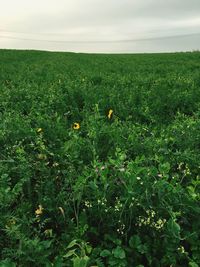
(116, 26)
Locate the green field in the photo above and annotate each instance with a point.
(99, 159)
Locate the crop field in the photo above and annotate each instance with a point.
(99, 159)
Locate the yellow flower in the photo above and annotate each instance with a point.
(39, 211)
(76, 126)
(10, 223)
(110, 113)
(62, 211)
(39, 130)
(48, 232)
(42, 156)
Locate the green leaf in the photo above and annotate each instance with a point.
(174, 228)
(58, 262)
(88, 249)
(69, 253)
(119, 253)
(76, 262)
(72, 243)
(164, 168)
(80, 262)
(105, 253)
(7, 263)
(135, 241)
(193, 264)
(118, 242)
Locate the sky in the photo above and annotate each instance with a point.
(101, 26)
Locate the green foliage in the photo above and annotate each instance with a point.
(78, 251)
(122, 188)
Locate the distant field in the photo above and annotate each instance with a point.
(99, 159)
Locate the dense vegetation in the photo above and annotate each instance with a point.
(99, 159)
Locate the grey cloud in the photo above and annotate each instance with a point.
(106, 21)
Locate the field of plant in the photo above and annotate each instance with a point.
(99, 159)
